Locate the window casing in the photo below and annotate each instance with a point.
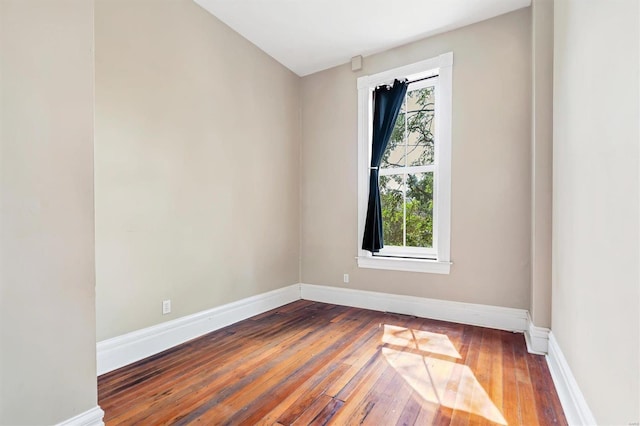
(432, 254)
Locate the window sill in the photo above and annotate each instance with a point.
(397, 264)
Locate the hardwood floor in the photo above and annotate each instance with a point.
(314, 363)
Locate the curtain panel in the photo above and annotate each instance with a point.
(387, 101)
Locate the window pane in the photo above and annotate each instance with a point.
(392, 203)
(420, 126)
(419, 210)
(394, 155)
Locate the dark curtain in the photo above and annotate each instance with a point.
(386, 106)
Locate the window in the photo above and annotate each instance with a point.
(415, 173)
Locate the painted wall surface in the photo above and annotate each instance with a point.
(197, 165)
(596, 278)
(47, 284)
(491, 183)
(541, 160)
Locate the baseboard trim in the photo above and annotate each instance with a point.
(573, 403)
(131, 347)
(123, 350)
(537, 338)
(497, 317)
(92, 417)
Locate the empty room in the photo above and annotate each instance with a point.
(284, 212)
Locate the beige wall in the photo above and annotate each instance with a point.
(47, 284)
(197, 158)
(541, 160)
(491, 184)
(595, 202)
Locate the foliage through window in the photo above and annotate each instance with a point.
(407, 171)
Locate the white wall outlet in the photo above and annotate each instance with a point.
(166, 307)
(346, 278)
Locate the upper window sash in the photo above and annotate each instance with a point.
(424, 168)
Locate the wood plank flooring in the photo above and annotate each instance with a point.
(314, 363)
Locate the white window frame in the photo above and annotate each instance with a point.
(411, 259)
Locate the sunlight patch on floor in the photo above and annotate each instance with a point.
(436, 343)
(436, 380)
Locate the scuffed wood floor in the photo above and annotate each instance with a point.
(314, 363)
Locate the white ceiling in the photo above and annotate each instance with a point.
(308, 36)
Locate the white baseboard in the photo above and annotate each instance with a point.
(465, 313)
(537, 338)
(122, 350)
(91, 417)
(573, 403)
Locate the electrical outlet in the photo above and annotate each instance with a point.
(346, 278)
(166, 307)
